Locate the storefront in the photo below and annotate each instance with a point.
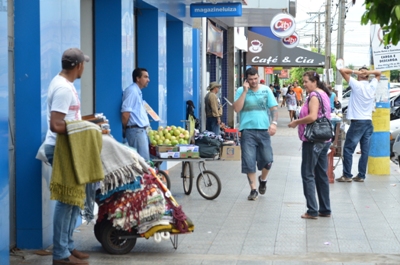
(118, 36)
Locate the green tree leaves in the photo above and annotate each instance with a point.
(386, 13)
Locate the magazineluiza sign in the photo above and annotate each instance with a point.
(385, 57)
(216, 10)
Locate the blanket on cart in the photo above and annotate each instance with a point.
(121, 164)
(76, 162)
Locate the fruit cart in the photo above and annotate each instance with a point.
(208, 183)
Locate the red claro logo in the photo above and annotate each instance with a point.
(291, 41)
(283, 25)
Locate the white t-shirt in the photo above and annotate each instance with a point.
(362, 99)
(284, 90)
(61, 97)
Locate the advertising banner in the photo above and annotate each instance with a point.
(215, 40)
(264, 51)
(385, 57)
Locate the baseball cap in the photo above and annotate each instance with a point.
(262, 81)
(213, 85)
(72, 57)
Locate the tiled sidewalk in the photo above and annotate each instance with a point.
(364, 227)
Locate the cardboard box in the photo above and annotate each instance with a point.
(190, 154)
(231, 153)
(170, 155)
(188, 147)
(166, 148)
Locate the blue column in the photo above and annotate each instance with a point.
(113, 58)
(27, 123)
(4, 138)
(224, 75)
(196, 71)
(151, 54)
(41, 36)
(179, 74)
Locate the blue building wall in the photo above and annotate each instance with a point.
(152, 55)
(196, 70)
(4, 137)
(43, 30)
(113, 58)
(50, 27)
(180, 71)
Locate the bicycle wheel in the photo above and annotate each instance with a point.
(208, 185)
(163, 176)
(187, 177)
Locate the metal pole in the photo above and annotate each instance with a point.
(340, 38)
(328, 35)
(319, 32)
(315, 34)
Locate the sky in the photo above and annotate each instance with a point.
(356, 37)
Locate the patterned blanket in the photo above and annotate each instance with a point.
(76, 162)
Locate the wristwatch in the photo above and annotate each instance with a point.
(274, 122)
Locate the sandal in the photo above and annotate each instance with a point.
(307, 216)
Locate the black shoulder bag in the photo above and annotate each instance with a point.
(321, 129)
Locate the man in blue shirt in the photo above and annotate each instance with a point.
(253, 102)
(134, 115)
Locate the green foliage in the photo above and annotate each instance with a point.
(394, 76)
(386, 13)
(296, 73)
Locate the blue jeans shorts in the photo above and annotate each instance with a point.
(256, 150)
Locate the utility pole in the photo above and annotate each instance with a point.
(340, 44)
(319, 32)
(312, 39)
(328, 36)
(316, 35)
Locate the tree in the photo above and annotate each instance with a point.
(296, 73)
(386, 13)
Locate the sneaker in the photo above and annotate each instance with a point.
(358, 179)
(344, 179)
(253, 195)
(262, 188)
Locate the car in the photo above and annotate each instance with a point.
(395, 149)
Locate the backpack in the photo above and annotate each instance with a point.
(208, 147)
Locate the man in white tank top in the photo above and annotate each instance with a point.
(359, 112)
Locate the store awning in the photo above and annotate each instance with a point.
(255, 13)
(265, 51)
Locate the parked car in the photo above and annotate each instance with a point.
(395, 149)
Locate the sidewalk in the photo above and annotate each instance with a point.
(364, 227)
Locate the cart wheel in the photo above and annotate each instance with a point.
(112, 244)
(208, 185)
(164, 178)
(98, 228)
(187, 177)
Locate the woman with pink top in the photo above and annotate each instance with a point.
(314, 162)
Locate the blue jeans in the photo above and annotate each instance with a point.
(360, 131)
(256, 149)
(212, 125)
(314, 166)
(65, 216)
(137, 138)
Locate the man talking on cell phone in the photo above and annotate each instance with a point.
(253, 101)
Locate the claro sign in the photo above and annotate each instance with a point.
(283, 25)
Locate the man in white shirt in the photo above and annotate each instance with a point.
(63, 104)
(359, 112)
